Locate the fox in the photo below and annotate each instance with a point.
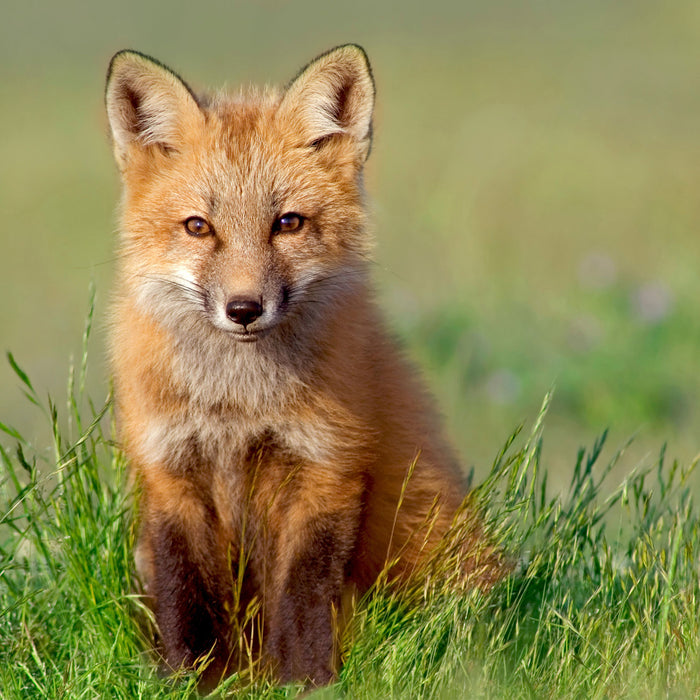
(286, 453)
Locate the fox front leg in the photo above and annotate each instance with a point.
(303, 620)
(185, 570)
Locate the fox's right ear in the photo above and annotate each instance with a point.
(148, 105)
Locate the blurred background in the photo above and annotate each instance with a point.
(534, 184)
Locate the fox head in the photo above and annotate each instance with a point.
(241, 212)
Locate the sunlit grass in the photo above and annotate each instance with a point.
(602, 600)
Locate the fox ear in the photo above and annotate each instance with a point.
(333, 95)
(147, 105)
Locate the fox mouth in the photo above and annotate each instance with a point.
(248, 336)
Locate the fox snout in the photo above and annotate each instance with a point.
(246, 314)
(243, 311)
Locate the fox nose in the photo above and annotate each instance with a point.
(243, 311)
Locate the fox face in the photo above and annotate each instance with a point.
(243, 214)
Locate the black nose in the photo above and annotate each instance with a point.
(243, 311)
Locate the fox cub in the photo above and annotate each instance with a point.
(269, 419)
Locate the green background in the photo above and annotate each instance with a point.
(534, 185)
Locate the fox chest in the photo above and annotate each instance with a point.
(229, 457)
(203, 443)
(253, 481)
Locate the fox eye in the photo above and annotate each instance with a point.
(288, 223)
(196, 226)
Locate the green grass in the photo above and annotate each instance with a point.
(603, 600)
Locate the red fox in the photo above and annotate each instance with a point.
(267, 414)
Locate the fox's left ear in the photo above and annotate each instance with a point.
(333, 95)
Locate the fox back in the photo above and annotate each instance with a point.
(269, 419)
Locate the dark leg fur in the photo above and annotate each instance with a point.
(301, 627)
(189, 603)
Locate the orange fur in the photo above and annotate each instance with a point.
(285, 440)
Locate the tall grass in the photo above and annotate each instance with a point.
(603, 599)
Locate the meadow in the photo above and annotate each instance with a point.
(534, 193)
(602, 600)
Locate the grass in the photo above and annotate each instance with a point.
(603, 600)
